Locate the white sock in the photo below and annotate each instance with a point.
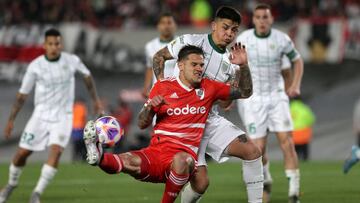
(294, 181)
(267, 175)
(188, 195)
(47, 174)
(254, 179)
(14, 174)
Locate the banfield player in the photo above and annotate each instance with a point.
(182, 105)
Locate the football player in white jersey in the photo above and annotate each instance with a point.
(53, 76)
(268, 108)
(166, 27)
(221, 137)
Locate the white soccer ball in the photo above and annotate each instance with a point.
(108, 130)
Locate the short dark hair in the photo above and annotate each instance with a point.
(189, 49)
(52, 32)
(163, 15)
(262, 6)
(228, 13)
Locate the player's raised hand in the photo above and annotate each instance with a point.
(8, 129)
(238, 54)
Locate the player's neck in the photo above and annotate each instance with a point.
(187, 83)
(166, 39)
(262, 35)
(54, 59)
(214, 42)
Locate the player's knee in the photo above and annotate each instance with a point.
(183, 163)
(21, 157)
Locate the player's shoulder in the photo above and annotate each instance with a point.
(246, 33)
(194, 38)
(278, 33)
(151, 42)
(167, 80)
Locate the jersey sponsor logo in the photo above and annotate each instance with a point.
(186, 110)
(200, 93)
(225, 67)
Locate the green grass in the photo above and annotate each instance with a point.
(322, 182)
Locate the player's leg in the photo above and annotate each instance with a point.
(291, 164)
(199, 181)
(182, 166)
(15, 171)
(354, 156)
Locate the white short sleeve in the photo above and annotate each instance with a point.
(285, 63)
(29, 79)
(148, 57)
(289, 49)
(80, 67)
(178, 43)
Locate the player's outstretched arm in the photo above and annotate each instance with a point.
(241, 84)
(159, 62)
(90, 85)
(294, 89)
(19, 102)
(147, 113)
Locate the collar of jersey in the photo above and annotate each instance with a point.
(262, 36)
(52, 60)
(183, 85)
(213, 45)
(165, 41)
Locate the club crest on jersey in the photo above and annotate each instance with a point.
(225, 67)
(200, 93)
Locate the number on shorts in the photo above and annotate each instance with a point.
(252, 128)
(27, 138)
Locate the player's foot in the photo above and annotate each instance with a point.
(6, 192)
(267, 192)
(294, 199)
(352, 160)
(93, 147)
(35, 197)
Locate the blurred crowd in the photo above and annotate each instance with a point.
(130, 14)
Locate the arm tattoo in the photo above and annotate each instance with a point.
(241, 87)
(159, 62)
(242, 138)
(20, 100)
(145, 117)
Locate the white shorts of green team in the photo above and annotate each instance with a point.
(218, 134)
(39, 134)
(262, 114)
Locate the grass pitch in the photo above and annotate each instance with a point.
(321, 182)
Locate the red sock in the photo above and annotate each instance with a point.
(173, 186)
(111, 163)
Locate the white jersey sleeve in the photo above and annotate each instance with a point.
(289, 49)
(189, 39)
(80, 67)
(285, 63)
(148, 56)
(29, 79)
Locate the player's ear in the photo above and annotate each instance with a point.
(181, 65)
(213, 25)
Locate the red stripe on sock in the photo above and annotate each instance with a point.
(173, 186)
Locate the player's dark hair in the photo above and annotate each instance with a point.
(163, 15)
(52, 32)
(228, 13)
(189, 49)
(262, 6)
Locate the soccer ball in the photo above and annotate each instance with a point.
(108, 130)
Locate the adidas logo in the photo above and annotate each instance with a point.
(174, 95)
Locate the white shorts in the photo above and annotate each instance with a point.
(219, 133)
(39, 134)
(263, 114)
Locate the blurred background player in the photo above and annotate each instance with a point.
(303, 120)
(166, 27)
(221, 137)
(268, 108)
(355, 150)
(180, 101)
(80, 114)
(52, 75)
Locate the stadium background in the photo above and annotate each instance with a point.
(110, 35)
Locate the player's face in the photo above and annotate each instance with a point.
(191, 69)
(167, 26)
(262, 20)
(224, 31)
(52, 46)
